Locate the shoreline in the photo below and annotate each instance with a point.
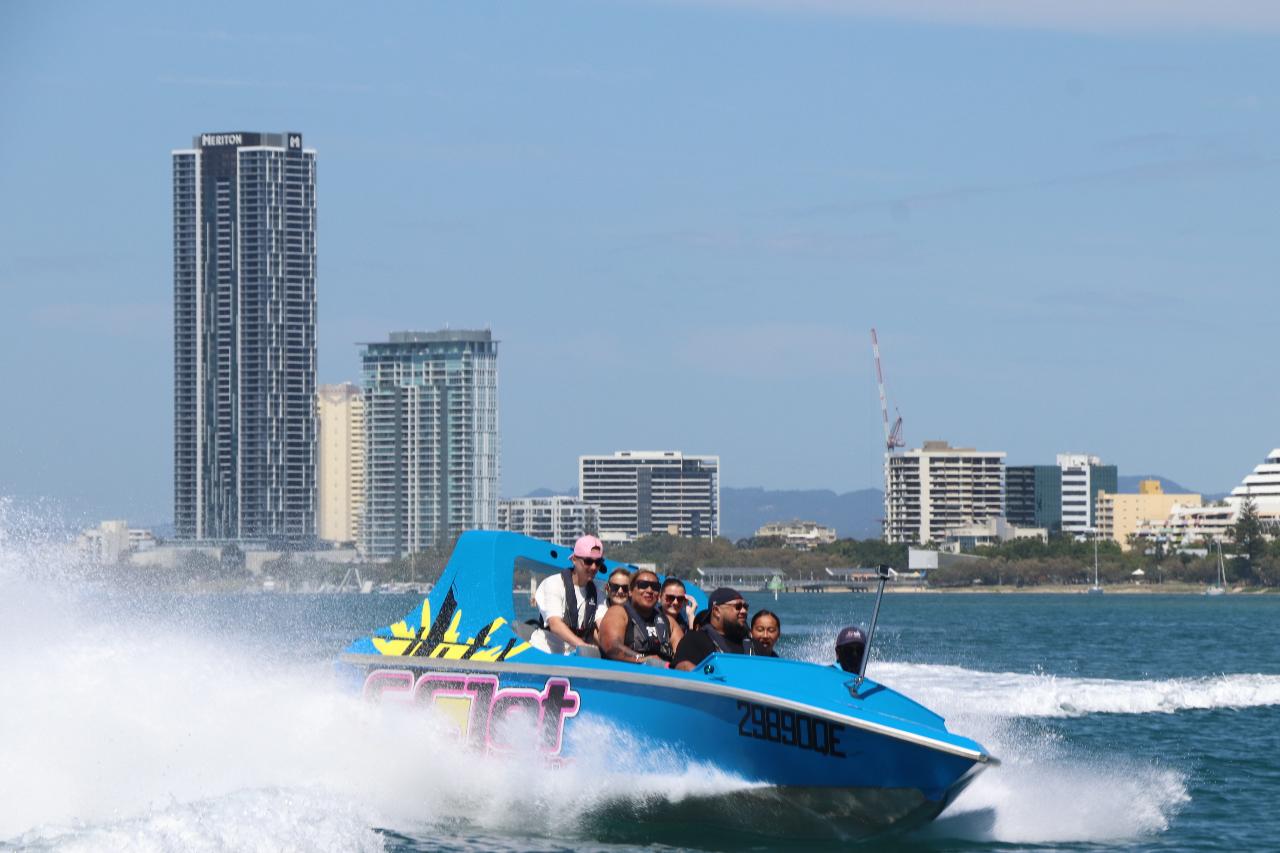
(1080, 589)
(1172, 588)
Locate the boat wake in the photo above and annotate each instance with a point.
(955, 690)
(1048, 790)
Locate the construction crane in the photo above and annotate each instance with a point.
(892, 435)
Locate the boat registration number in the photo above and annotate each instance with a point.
(789, 728)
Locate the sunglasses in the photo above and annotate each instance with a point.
(674, 599)
(652, 585)
(619, 588)
(736, 605)
(592, 561)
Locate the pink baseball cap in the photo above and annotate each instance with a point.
(588, 546)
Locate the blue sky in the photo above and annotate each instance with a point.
(681, 219)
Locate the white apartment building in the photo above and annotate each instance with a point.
(339, 462)
(555, 518)
(937, 488)
(652, 491)
(1263, 485)
(111, 540)
(804, 535)
(1075, 468)
(1188, 526)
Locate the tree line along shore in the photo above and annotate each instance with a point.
(1251, 561)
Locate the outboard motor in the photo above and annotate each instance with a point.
(851, 645)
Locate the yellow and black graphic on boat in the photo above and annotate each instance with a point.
(438, 637)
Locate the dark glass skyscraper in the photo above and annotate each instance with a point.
(244, 333)
(1033, 496)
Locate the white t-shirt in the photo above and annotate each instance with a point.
(549, 597)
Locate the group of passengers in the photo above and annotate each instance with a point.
(644, 620)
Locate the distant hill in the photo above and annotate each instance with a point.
(853, 514)
(1129, 484)
(547, 493)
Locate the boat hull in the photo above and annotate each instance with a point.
(807, 771)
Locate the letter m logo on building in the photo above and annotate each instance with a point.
(295, 141)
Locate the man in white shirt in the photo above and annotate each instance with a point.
(567, 601)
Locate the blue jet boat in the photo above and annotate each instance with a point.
(830, 754)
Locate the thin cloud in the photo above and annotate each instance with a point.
(1143, 173)
(232, 37)
(250, 83)
(142, 320)
(1090, 16)
(768, 350)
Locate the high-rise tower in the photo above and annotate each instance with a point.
(339, 462)
(244, 351)
(431, 439)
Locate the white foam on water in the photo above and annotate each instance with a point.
(156, 739)
(1046, 791)
(266, 820)
(119, 733)
(1049, 791)
(951, 690)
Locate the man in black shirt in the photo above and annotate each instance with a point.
(725, 631)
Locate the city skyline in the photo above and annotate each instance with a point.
(1073, 256)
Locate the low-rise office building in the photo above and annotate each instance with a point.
(1121, 516)
(111, 540)
(555, 518)
(804, 535)
(993, 531)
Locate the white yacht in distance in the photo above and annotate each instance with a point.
(1096, 589)
(1219, 587)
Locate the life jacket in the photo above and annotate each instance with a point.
(724, 644)
(647, 637)
(571, 606)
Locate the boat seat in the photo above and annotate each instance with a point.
(588, 651)
(524, 630)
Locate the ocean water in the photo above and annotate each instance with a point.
(194, 723)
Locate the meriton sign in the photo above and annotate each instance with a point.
(208, 139)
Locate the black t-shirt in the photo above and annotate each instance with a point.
(697, 646)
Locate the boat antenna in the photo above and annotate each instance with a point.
(883, 571)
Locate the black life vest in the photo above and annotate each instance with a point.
(724, 644)
(647, 637)
(571, 606)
